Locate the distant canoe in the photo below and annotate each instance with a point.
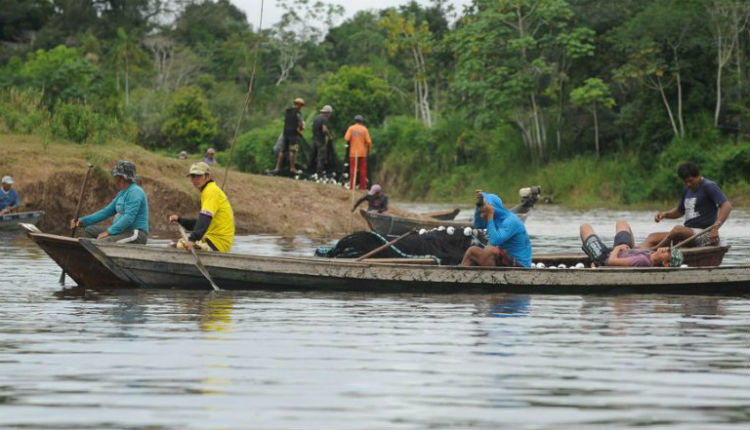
(394, 225)
(10, 221)
(442, 215)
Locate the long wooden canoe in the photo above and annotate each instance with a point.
(705, 256)
(12, 220)
(152, 267)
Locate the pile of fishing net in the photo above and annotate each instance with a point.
(446, 246)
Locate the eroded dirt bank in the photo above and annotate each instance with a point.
(49, 177)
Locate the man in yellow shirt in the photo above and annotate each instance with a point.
(214, 228)
(359, 148)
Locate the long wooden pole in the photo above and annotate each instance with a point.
(689, 239)
(663, 242)
(198, 262)
(78, 212)
(353, 183)
(248, 97)
(385, 246)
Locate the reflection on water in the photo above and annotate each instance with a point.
(304, 360)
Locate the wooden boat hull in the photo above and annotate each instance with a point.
(153, 267)
(77, 262)
(12, 220)
(393, 225)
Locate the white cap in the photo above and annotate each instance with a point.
(7, 179)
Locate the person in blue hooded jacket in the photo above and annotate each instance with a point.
(509, 244)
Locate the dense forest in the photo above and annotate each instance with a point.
(597, 101)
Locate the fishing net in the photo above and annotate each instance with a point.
(445, 248)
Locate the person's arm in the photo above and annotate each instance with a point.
(499, 234)
(200, 227)
(15, 203)
(348, 135)
(724, 210)
(100, 215)
(676, 212)
(614, 257)
(326, 131)
(358, 202)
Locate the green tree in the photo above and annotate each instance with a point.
(355, 91)
(189, 122)
(60, 73)
(405, 33)
(126, 53)
(593, 93)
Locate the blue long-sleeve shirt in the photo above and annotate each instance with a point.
(130, 207)
(505, 230)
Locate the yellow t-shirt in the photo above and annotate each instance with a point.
(215, 204)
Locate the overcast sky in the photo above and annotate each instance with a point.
(272, 13)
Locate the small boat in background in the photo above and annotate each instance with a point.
(10, 221)
(394, 225)
(442, 215)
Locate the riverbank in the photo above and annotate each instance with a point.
(48, 177)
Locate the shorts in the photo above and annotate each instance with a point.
(598, 252)
(702, 240)
(503, 259)
(291, 143)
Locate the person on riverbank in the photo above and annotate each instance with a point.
(508, 241)
(624, 253)
(360, 146)
(129, 208)
(9, 201)
(376, 199)
(210, 157)
(702, 203)
(293, 126)
(214, 227)
(321, 134)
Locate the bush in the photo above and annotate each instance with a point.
(189, 122)
(253, 150)
(21, 111)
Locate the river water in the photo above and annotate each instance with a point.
(303, 360)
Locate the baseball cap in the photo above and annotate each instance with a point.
(358, 118)
(200, 168)
(7, 179)
(299, 101)
(326, 109)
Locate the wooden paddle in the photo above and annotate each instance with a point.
(385, 246)
(689, 239)
(198, 262)
(78, 212)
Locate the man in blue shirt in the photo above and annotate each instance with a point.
(8, 196)
(129, 207)
(703, 204)
(509, 244)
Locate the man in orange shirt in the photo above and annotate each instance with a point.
(359, 147)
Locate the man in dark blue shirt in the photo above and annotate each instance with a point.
(703, 204)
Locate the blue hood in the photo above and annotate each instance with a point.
(497, 203)
(506, 230)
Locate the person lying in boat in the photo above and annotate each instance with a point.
(214, 227)
(129, 207)
(624, 253)
(508, 242)
(703, 204)
(376, 200)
